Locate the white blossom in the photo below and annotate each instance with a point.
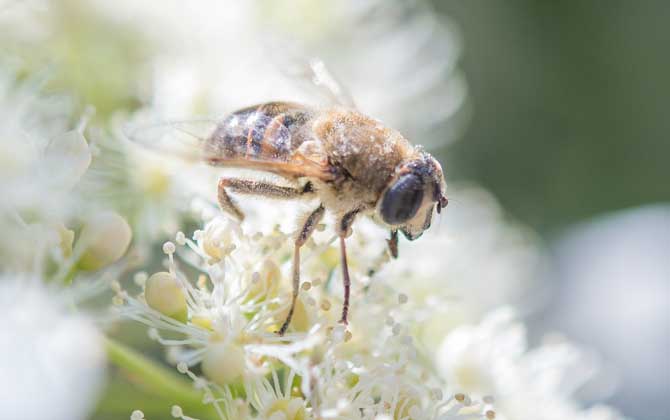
(51, 356)
(493, 358)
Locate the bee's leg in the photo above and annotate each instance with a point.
(393, 243)
(344, 230)
(245, 186)
(308, 227)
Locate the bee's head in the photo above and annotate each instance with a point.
(416, 189)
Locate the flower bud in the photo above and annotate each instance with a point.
(68, 151)
(105, 238)
(213, 241)
(163, 293)
(290, 409)
(223, 362)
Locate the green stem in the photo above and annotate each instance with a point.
(150, 375)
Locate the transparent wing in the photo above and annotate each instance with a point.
(186, 140)
(181, 139)
(318, 74)
(308, 73)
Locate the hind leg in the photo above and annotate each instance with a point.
(245, 186)
(308, 227)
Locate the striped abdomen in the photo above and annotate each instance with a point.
(266, 132)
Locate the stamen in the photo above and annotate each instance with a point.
(169, 248)
(140, 278)
(182, 367)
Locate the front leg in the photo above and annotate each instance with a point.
(344, 230)
(303, 235)
(393, 243)
(245, 186)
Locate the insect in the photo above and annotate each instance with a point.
(352, 163)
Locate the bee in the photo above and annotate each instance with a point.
(354, 165)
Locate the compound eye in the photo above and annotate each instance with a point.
(402, 200)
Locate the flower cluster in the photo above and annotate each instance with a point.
(55, 253)
(221, 300)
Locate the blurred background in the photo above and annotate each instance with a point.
(569, 106)
(569, 129)
(558, 109)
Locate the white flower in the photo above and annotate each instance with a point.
(40, 163)
(377, 371)
(493, 358)
(367, 369)
(471, 261)
(233, 307)
(41, 158)
(51, 357)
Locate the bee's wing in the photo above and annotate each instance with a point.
(308, 73)
(316, 72)
(182, 139)
(185, 140)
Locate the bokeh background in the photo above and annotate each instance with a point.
(569, 129)
(558, 109)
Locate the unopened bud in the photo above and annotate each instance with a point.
(223, 363)
(105, 238)
(164, 294)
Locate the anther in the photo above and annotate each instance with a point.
(169, 248)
